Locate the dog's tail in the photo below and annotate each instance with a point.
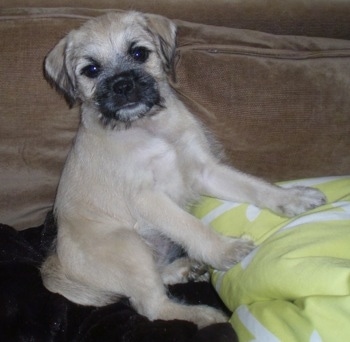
(55, 280)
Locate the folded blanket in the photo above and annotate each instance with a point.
(28, 312)
(295, 286)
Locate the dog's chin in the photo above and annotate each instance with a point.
(129, 113)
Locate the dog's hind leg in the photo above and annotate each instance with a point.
(120, 264)
(56, 281)
(133, 269)
(148, 294)
(143, 284)
(156, 305)
(151, 300)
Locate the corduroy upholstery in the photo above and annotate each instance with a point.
(278, 104)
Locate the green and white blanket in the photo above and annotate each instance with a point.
(295, 286)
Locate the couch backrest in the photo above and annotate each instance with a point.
(280, 105)
(318, 18)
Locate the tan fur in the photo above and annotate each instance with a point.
(125, 185)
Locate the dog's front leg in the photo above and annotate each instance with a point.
(223, 182)
(157, 210)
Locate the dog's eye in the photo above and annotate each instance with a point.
(91, 70)
(139, 54)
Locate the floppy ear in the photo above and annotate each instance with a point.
(165, 32)
(59, 73)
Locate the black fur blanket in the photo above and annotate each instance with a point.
(28, 312)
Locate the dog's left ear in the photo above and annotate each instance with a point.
(164, 31)
(59, 73)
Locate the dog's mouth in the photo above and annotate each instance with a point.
(128, 96)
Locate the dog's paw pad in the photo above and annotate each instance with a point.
(234, 251)
(301, 199)
(198, 272)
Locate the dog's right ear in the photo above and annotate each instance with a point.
(164, 30)
(59, 73)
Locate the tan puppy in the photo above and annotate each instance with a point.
(139, 158)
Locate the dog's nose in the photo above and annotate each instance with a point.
(123, 86)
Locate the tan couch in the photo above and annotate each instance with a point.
(278, 101)
(270, 78)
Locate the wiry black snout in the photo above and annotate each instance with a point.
(128, 95)
(126, 88)
(123, 85)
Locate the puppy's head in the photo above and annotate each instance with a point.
(115, 64)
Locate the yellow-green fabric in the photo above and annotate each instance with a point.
(295, 286)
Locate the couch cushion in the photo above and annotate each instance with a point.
(322, 18)
(278, 104)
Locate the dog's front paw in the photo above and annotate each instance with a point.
(299, 199)
(198, 272)
(232, 252)
(184, 270)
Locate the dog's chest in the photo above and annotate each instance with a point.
(135, 160)
(120, 165)
(170, 169)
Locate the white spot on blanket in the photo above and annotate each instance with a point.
(248, 259)
(254, 326)
(218, 211)
(322, 216)
(220, 277)
(315, 337)
(252, 212)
